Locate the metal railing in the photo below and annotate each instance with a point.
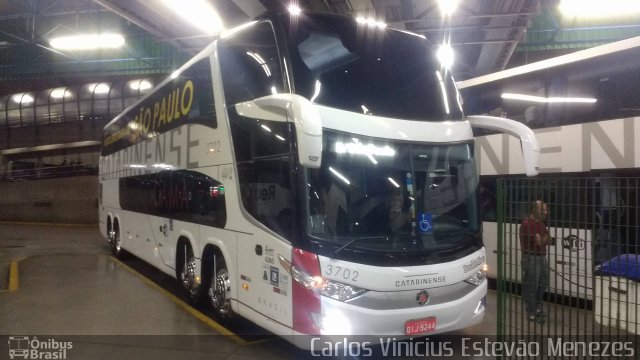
(87, 102)
(49, 172)
(593, 289)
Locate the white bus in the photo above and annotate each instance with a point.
(259, 174)
(585, 110)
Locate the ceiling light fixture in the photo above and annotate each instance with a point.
(88, 42)
(294, 9)
(199, 13)
(447, 7)
(60, 93)
(100, 88)
(540, 99)
(140, 85)
(22, 98)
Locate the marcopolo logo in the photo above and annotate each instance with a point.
(32, 348)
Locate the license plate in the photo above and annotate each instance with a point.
(420, 326)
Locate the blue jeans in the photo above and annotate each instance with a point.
(535, 280)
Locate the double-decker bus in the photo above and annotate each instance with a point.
(262, 174)
(584, 108)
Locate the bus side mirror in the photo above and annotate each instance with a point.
(291, 107)
(528, 140)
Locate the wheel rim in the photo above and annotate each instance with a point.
(111, 234)
(219, 290)
(189, 275)
(116, 242)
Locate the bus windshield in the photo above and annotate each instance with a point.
(382, 195)
(343, 64)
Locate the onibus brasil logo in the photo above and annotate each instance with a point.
(32, 348)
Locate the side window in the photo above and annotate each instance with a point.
(266, 192)
(182, 195)
(250, 68)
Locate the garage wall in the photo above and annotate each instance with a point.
(71, 200)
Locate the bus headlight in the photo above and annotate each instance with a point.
(339, 291)
(477, 278)
(320, 285)
(326, 287)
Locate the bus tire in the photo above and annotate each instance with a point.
(187, 273)
(116, 241)
(219, 287)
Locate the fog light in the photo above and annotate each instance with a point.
(333, 322)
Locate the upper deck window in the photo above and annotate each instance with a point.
(340, 63)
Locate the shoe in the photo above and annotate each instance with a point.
(531, 317)
(540, 317)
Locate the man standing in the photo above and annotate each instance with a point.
(534, 239)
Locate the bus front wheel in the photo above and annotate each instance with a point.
(188, 273)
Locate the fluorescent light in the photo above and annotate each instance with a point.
(199, 13)
(280, 138)
(22, 98)
(88, 42)
(59, 93)
(294, 9)
(598, 8)
(540, 99)
(394, 182)
(340, 176)
(140, 85)
(447, 7)
(100, 88)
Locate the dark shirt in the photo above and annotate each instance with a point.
(528, 230)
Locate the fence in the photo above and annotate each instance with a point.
(591, 221)
(48, 172)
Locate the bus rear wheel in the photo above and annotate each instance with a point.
(116, 242)
(219, 289)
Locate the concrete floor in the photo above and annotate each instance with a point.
(71, 288)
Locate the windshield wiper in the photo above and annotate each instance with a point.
(357, 239)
